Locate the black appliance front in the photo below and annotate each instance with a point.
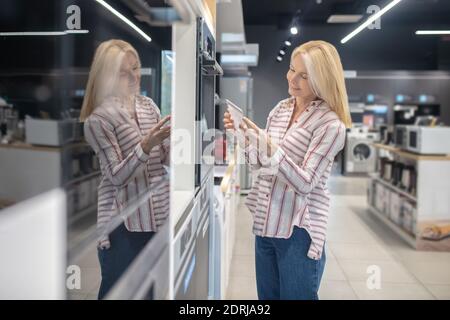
(207, 69)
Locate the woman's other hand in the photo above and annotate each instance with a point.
(253, 133)
(156, 135)
(228, 121)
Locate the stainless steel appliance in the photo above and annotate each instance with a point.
(429, 140)
(192, 258)
(401, 136)
(388, 170)
(360, 154)
(207, 69)
(408, 182)
(54, 133)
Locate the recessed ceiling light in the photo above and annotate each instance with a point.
(294, 30)
(282, 52)
(288, 43)
(371, 19)
(279, 59)
(432, 32)
(344, 18)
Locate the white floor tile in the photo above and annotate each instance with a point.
(244, 247)
(90, 279)
(392, 291)
(73, 295)
(336, 290)
(390, 272)
(427, 272)
(333, 271)
(441, 292)
(243, 266)
(242, 288)
(355, 251)
(351, 237)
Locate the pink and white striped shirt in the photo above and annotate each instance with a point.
(127, 171)
(290, 188)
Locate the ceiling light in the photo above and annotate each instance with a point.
(124, 19)
(282, 52)
(344, 18)
(279, 59)
(294, 30)
(371, 19)
(288, 43)
(42, 33)
(432, 32)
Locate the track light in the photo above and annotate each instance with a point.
(371, 19)
(432, 32)
(124, 19)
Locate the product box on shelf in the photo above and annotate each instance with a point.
(93, 188)
(395, 207)
(84, 191)
(381, 198)
(409, 216)
(396, 215)
(371, 193)
(72, 200)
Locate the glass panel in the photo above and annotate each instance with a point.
(47, 57)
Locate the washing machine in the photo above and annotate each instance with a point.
(360, 154)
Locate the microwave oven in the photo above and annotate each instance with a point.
(429, 140)
(401, 136)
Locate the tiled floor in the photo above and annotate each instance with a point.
(90, 277)
(356, 241)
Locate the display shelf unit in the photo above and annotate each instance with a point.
(413, 217)
(393, 226)
(389, 185)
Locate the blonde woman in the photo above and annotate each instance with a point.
(289, 199)
(126, 133)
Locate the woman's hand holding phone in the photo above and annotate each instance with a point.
(251, 133)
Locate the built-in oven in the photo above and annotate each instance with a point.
(207, 70)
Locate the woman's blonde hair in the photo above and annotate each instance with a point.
(104, 73)
(326, 76)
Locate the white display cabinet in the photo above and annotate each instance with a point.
(423, 218)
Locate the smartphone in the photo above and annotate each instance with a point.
(236, 113)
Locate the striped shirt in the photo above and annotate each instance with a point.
(290, 188)
(127, 171)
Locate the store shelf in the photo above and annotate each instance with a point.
(392, 187)
(26, 146)
(394, 227)
(83, 178)
(411, 155)
(82, 213)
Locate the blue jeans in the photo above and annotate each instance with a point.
(125, 246)
(283, 269)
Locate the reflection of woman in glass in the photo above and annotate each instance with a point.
(126, 133)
